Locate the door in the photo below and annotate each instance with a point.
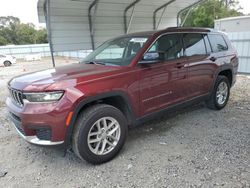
(200, 65)
(164, 82)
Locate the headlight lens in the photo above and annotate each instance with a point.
(44, 97)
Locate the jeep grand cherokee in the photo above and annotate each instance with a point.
(124, 82)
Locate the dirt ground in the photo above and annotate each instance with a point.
(195, 147)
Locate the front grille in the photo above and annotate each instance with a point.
(17, 96)
(43, 134)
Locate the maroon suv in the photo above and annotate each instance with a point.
(124, 82)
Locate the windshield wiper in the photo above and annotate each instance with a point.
(95, 63)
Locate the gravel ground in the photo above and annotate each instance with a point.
(195, 147)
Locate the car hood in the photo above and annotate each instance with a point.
(60, 77)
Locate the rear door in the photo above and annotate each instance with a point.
(165, 82)
(219, 46)
(200, 65)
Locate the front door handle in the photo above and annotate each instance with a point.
(179, 65)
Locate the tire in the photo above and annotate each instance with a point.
(215, 102)
(7, 63)
(87, 122)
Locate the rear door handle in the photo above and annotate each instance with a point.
(213, 58)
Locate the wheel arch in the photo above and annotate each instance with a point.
(117, 99)
(225, 70)
(228, 73)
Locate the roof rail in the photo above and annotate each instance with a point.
(191, 28)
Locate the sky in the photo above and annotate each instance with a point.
(26, 10)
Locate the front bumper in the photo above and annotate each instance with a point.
(31, 139)
(40, 124)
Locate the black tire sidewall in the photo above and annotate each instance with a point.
(7, 63)
(82, 143)
(220, 80)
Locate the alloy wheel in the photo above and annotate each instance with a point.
(104, 135)
(222, 93)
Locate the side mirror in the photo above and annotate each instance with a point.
(150, 57)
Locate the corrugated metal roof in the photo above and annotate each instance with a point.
(69, 19)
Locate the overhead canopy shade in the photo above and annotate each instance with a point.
(85, 24)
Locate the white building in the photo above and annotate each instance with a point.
(233, 24)
(238, 30)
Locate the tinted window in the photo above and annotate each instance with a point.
(169, 46)
(217, 42)
(194, 44)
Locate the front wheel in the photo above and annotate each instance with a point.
(220, 94)
(99, 134)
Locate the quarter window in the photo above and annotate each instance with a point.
(217, 42)
(194, 44)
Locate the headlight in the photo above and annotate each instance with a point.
(43, 97)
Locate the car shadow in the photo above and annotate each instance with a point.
(156, 126)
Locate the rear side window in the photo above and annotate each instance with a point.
(217, 42)
(194, 44)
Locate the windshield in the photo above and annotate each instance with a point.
(117, 52)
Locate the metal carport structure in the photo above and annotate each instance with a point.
(85, 24)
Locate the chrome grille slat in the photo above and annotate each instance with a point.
(20, 97)
(17, 96)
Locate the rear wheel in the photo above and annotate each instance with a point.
(220, 94)
(99, 134)
(7, 63)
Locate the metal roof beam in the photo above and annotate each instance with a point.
(158, 9)
(127, 27)
(91, 23)
(185, 9)
(47, 14)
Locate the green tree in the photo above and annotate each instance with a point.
(8, 28)
(41, 36)
(205, 14)
(3, 41)
(26, 34)
(12, 31)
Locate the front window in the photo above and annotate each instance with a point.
(168, 46)
(117, 52)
